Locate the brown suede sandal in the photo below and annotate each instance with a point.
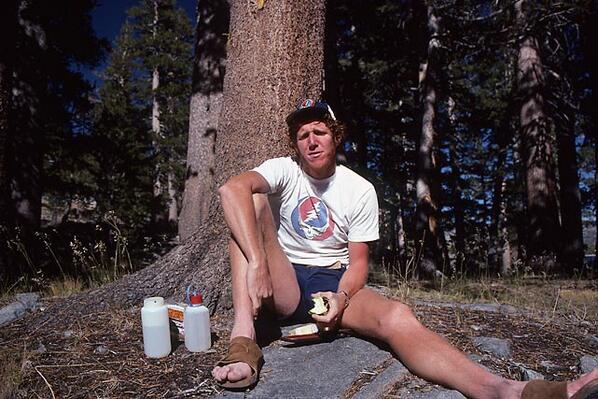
(245, 350)
(558, 390)
(540, 389)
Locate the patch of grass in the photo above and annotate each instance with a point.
(12, 363)
(65, 287)
(571, 298)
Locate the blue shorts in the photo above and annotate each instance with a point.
(311, 280)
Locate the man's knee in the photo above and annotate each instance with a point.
(399, 319)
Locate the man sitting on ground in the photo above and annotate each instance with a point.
(300, 227)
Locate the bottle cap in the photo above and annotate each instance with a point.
(153, 302)
(195, 299)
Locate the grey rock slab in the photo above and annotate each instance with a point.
(496, 346)
(320, 370)
(434, 393)
(11, 312)
(588, 363)
(28, 299)
(17, 309)
(383, 381)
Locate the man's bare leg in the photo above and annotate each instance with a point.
(425, 353)
(284, 286)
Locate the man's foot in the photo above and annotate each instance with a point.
(232, 372)
(581, 382)
(241, 366)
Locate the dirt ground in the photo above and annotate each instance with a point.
(101, 354)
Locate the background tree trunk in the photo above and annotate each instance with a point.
(8, 27)
(275, 57)
(571, 244)
(537, 144)
(499, 240)
(428, 231)
(458, 205)
(159, 213)
(28, 144)
(206, 103)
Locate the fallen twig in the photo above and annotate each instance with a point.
(46, 381)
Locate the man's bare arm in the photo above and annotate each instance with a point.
(236, 196)
(352, 281)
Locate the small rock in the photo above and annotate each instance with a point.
(588, 363)
(100, 350)
(551, 367)
(592, 340)
(483, 307)
(496, 346)
(41, 348)
(529, 374)
(475, 357)
(475, 327)
(67, 334)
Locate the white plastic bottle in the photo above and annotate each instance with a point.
(196, 322)
(156, 330)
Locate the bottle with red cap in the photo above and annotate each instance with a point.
(196, 322)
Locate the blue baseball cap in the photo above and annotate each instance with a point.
(309, 108)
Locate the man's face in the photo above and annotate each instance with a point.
(316, 147)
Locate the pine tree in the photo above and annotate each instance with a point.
(119, 159)
(162, 35)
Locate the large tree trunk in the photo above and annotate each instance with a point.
(206, 102)
(275, 57)
(428, 232)
(543, 223)
(571, 248)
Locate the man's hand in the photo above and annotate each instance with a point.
(259, 285)
(336, 307)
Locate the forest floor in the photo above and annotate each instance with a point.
(101, 354)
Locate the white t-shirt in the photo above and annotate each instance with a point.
(318, 218)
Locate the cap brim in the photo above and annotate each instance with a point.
(306, 114)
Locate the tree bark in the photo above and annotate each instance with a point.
(206, 103)
(275, 57)
(537, 145)
(428, 231)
